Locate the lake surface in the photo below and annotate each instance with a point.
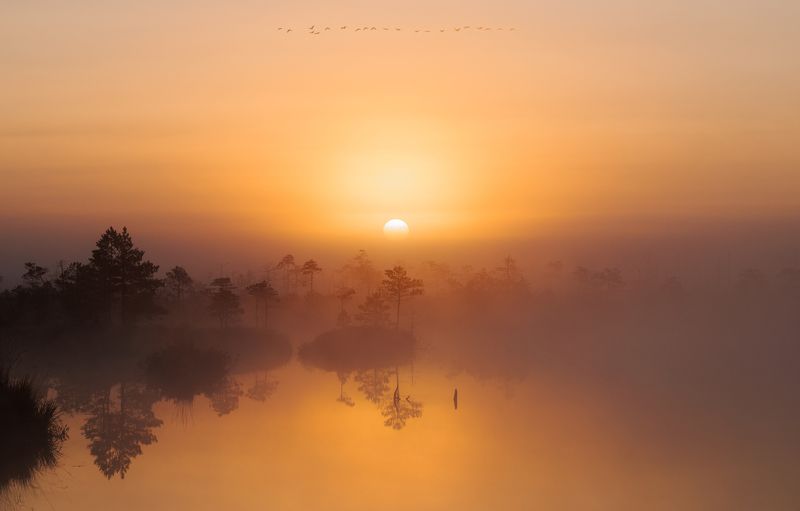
(299, 436)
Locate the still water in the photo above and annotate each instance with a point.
(323, 431)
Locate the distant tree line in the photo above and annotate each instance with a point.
(119, 286)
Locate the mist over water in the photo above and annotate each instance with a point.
(466, 385)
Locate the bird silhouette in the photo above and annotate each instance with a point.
(280, 28)
(343, 28)
(455, 399)
(327, 28)
(311, 28)
(288, 30)
(358, 29)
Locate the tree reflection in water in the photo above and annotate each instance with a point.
(116, 434)
(181, 372)
(373, 355)
(344, 398)
(374, 383)
(263, 388)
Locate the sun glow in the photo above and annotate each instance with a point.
(395, 229)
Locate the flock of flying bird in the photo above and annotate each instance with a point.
(316, 30)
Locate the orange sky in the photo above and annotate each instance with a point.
(202, 115)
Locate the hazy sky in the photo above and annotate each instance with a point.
(191, 118)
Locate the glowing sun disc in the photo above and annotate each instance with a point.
(395, 228)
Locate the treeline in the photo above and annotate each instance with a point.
(118, 285)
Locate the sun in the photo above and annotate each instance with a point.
(395, 229)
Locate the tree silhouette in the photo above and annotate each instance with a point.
(308, 269)
(263, 292)
(224, 302)
(116, 437)
(34, 301)
(344, 294)
(178, 282)
(288, 267)
(34, 275)
(81, 294)
(609, 279)
(399, 287)
(511, 278)
(361, 271)
(374, 311)
(125, 279)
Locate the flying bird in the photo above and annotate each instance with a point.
(288, 30)
(280, 28)
(327, 28)
(311, 27)
(343, 28)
